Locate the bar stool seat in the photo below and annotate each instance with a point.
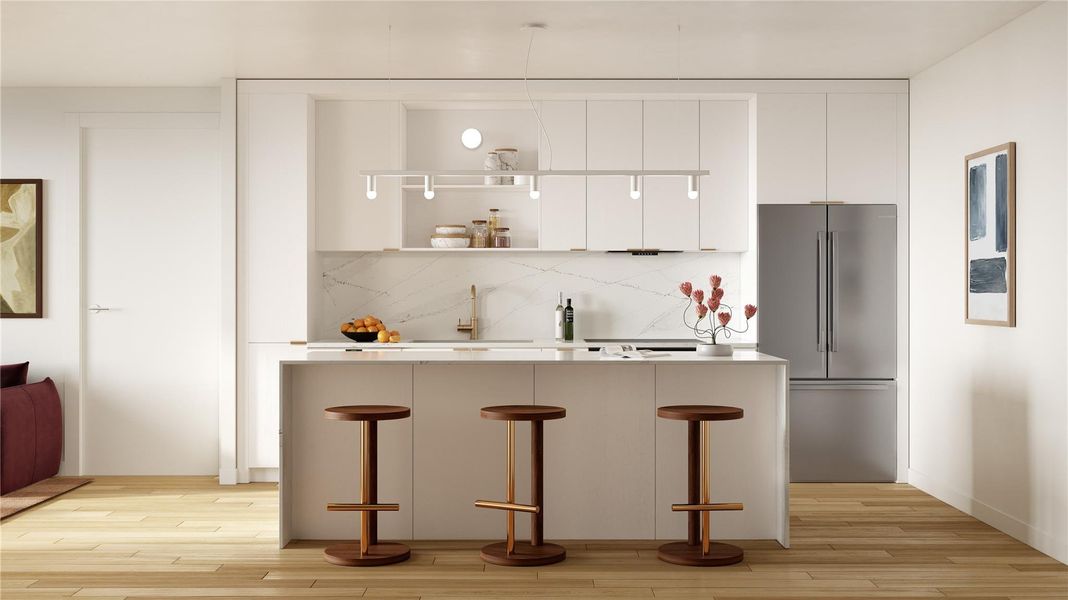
(369, 552)
(512, 553)
(698, 550)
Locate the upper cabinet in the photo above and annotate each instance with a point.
(867, 141)
(725, 190)
(350, 136)
(563, 199)
(791, 148)
(671, 220)
(274, 195)
(613, 141)
(839, 147)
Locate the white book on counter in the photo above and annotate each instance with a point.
(627, 352)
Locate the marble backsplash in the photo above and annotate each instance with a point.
(423, 294)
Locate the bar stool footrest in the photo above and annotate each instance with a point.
(355, 507)
(710, 507)
(512, 506)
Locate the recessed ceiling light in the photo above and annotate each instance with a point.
(471, 138)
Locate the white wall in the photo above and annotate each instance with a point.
(988, 404)
(36, 142)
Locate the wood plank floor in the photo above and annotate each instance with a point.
(181, 537)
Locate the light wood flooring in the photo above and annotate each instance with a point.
(174, 537)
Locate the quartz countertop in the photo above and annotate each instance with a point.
(496, 355)
(536, 344)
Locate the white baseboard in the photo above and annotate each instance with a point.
(1045, 542)
(263, 474)
(227, 476)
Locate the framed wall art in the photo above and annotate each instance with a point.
(990, 236)
(21, 248)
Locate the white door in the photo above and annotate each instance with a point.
(864, 161)
(725, 190)
(151, 280)
(671, 219)
(613, 142)
(563, 199)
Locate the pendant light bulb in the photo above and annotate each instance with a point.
(535, 187)
(428, 187)
(635, 192)
(691, 187)
(372, 187)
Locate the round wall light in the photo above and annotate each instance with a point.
(471, 138)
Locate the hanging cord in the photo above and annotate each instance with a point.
(526, 87)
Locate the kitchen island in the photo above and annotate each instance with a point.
(612, 469)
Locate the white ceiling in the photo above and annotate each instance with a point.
(196, 43)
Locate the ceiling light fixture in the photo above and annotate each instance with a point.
(635, 191)
(428, 187)
(535, 187)
(691, 187)
(372, 187)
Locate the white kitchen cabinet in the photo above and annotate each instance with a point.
(671, 220)
(791, 148)
(865, 158)
(563, 199)
(613, 141)
(274, 155)
(351, 136)
(259, 391)
(725, 190)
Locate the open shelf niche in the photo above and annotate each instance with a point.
(432, 142)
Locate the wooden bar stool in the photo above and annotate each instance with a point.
(511, 553)
(698, 550)
(369, 552)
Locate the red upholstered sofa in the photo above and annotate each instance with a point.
(31, 429)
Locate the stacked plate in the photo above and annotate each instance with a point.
(450, 236)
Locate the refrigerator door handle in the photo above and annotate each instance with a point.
(832, 291)
(839, 385)
(821, 344)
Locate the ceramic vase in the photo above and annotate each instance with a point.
(715, 350)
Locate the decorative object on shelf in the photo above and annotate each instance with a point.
(990, 248)
(508, 159)
(479, 234)
(492, 162)
(450, 240)
(502, 238)
(369, 329)
(721, 313)
(450, 229)
(21, 247)
(471, 138)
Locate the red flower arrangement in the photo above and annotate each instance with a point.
(715, 302)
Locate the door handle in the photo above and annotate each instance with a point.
(96, 308)
(820, 343)
(832, 290)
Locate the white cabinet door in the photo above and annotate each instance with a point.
(563, 199)
(671, 220)
(260, 393)
(613, 141)
(273, 204)
(350, 136)
(791, 148)
(863, 159)
(725, 190)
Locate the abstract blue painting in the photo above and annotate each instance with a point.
(990, 248)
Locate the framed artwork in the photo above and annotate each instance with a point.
(21, 267)
(990, 236)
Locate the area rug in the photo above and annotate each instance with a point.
(36, 493)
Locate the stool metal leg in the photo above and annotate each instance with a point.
(706, 495)
(537, 520)
(510, 498)
(368, 487)
(693, 478)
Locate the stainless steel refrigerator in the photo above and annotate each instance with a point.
(828, 303)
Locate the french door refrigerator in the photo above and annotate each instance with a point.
(827, 297)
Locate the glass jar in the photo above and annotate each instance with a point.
(479, 234)
(502, 238)
(494, 220)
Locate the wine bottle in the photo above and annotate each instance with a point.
(559, 319)
(569, 322)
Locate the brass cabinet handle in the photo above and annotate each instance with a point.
(298, 342)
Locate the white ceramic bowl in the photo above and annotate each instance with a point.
(448, 241)
(450, 229)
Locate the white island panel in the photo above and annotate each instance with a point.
(599, 467)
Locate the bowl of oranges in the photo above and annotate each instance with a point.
(369, 329)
